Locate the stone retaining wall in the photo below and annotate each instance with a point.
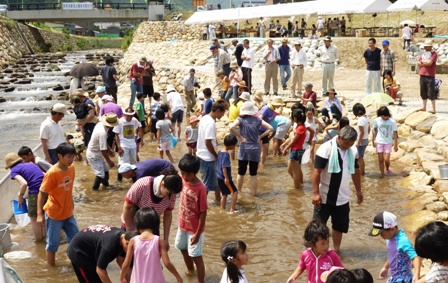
(166, 31)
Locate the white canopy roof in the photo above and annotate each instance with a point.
(424, 5)
(268, 11)
(331, 7)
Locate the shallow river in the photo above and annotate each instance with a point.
(272, 225)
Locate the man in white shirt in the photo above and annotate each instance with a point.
(262, 27)
(298, 63)
(320, 26)
(51, 133)
(211, 30)
(329, 55)
(206, 147)
(177, 109)
(271, 57)
(189, 83)
(248, 57)
(407, 36)
(331, 187)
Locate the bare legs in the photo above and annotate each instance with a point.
(337, 239)
(191, 261)
(295, 171)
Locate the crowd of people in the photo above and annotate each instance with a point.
(107, 131)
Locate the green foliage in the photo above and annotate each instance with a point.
(41, 25)
(81, 43)
(127, 39)
(66, 32)
(68, 47)
(9, 24)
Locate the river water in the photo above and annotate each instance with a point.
(272, 224)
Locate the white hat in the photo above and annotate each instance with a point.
(428, 43)
(59, 108)
(298, 43)
(100, 89)
(170, 88)
(248, 108)
(201, 95)
(107, 98)
(245, 96)
(125, 167)
(129, 113)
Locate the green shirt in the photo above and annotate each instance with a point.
(140, 111)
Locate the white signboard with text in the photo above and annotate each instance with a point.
(77, 6)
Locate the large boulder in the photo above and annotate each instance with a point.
(424, 155)
(437, 206)
(419, 203)
(404, 131)
(432, 168)
(441, 186)
(414, 221)
(417, 179)
(439, 129)
(417, 118)
(426, 125)
(402, 115)
(409, 145)
(428, 141)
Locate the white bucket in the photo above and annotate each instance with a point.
(5, 236)
(443, 169)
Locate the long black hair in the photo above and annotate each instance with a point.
(228, 252)
(387, 72)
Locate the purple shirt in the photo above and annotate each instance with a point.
(111, 107)
(249, 151)
(400, 253)
(151, 167)
(267, 113)
(31, 173)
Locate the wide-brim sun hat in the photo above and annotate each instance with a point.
(59, 108)
(194, 119)
(242, 84)
(259, 95)
(245, 96)
(12, 159)
(277, 101)
(331, 90)
(234, 65)
(110, 120)
(248, 109)
(428, 43)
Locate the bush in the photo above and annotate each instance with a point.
(81, 43)
(66, 32)
(127, 39)
(41, 25)
(69, 47)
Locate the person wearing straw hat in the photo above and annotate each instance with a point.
(51, 133)
(258, 99)
(127, 132)
(250, 136)
(99, 152)
(427, 63)
(329, 55)
(271, 57)
(267, 113)
(29, 176)
(298, 63)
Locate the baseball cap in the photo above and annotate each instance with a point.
(192, 71)
(212, 47)
(385, 42)
(125, 167)
(383, 221)
(107, 98)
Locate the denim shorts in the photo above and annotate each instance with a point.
(208, 175)
(296, 155)
(183, 243)
(53, 229)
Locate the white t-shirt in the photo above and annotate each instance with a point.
(407, 33)
(313, 125)
(386, 129)
(127, 131)
(225, 278)
(98, 142)
(343, 183)
(52, 132)
(207, 131)
(320, 24)
(437, 274)
(176, 101)
(363, 121)
(249, 53)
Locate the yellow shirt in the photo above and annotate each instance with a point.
(234, 111)
(392, 83)
(225, 85)
(59, 186)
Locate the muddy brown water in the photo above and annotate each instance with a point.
(271, 225)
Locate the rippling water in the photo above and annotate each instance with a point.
(272, 225)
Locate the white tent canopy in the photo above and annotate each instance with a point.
(331, 7)
(268, 11)
(423, 5)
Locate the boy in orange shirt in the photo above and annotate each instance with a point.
(55, 198)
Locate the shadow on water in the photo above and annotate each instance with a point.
(272, 224)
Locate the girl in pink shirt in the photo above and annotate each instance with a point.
(318, 257)
(146, 250)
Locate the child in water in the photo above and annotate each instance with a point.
(384, 134)
(234, 254)
(146, 250)
(191, 134)
(363, 134)
(318, 258)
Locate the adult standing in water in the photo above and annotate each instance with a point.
(110, 78)
(51, 132)
(335, 161)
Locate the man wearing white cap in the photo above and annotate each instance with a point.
(126, 135)
(109, 106)
(99, 152)
(100, 91)
(298, 63)
(427, 63)
(329, 55)
(51, 132)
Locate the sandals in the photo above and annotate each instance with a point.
(432, 112)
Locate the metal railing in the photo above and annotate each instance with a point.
(100, 6)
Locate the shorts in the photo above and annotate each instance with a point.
(165, 146)
(192, 145)
(153, 125)
(148, 90)
(264, 140)
(32, 205)
(227, 189)
(339, 215)
(427, 88)
(282, 129)
(53, 229)
(177, 116)
(296, 155)
(208, 175)
(362, 147)
(383, 148)
(86, 275)
(242, 167)
(143, 124)
(183, 243)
